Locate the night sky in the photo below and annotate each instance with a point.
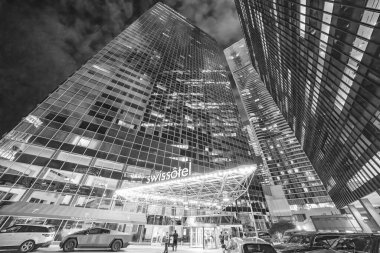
(42, 42)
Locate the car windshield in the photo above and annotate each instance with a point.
(258, 248)
(300, 239)
(352, 244)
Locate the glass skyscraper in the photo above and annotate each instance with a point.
(319, 61)
(283, 157)
(155, 99)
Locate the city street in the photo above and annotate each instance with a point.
(130, 249)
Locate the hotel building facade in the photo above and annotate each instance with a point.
(156, 99)
(319, 61)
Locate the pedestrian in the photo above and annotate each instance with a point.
(226, 243)
(212, 240)
(225, 237)
(175, 240)
(221, 239)
(165, 240)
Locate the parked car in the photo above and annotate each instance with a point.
(95, 238)
(265, 236)
(308, 241)
(26, 238)
(354, 243)
(288, 233)
(250, 245)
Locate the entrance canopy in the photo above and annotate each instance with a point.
(69, 213)
(209, 190)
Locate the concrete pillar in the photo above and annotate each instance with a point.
(359, 219)
(370, 210)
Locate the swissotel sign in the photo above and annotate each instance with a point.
(176, 173)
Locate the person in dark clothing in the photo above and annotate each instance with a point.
(175, 240)
(165, 240)
(221, 239)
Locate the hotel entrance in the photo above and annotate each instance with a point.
(196, 237)
(209, 238)
(203, 237)
(197, 203)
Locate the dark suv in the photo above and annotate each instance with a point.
(265, 236)
(308, 241)
(354, 243)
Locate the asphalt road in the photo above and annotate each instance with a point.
(130, 249)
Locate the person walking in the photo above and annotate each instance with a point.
(225, 237)
(165, 240)
(175, 240)
(226, 243)
(221, 239)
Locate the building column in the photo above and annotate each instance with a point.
(359, 219)
(370, 210)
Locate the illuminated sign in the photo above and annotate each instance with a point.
(175, 173)
(137, 176)
(127, 176)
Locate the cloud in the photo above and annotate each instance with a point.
(44, 41)
(216, 17)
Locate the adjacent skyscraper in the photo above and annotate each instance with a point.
(319, 61)
(155, 99)
(283, 157)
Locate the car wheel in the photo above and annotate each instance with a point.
(69, 245)
(116, 245)
(27, 246)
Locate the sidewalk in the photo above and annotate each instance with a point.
(136, 249)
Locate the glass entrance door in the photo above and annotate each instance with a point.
(196, 237)
(209, 238)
